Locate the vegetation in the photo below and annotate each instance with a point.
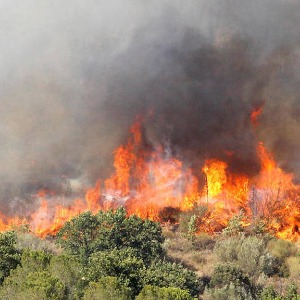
(112, 256)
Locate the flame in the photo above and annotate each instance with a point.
(254, 116)
(147, 180)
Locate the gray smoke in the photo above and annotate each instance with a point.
(74, 75)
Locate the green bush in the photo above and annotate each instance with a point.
(122, 264)
(281, 249)
(235, 226)
(229, 282)
(34, 261)
(250, 254)
(166, 274)
(36, 285)
(107, 288)
(154, 293)
(87, 233)
(269, 293)
(69, 271)
(9, 255)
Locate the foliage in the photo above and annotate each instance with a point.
(107, 288)
(269, 293)
(69, 271)
(192, 227)
(170, 293)
(33, 261)
(9, 255)
(249, 254)
(79, 235)
(166, 274)
(229, 282)
(122, 264)
(281, 249)
(235, 226)
(36, 285)
(87, 233)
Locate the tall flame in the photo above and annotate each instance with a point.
(146, 181)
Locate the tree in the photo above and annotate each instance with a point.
(9, 255)
(107, 288)
(79, 235)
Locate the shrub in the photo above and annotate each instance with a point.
(166, 274)
(229, 282)
(122, 264)
(281, 249)
(36, 285)
(107, 288)
(154, 293)
(9, 255)
(199, 211)
(69, 271)
(87, 233)
(250, 254)
(235, 226)
(34, 261)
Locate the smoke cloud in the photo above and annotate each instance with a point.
(74, 75)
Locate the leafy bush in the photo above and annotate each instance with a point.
(69, 271)
(34, 261)
(9, 255)
(235, 226)
(269, 293)
(36, 285)
(87, 233)
(229, 282)
(281, 249)
(107, 288)
(166, 274)
(250, 254)
(122, 264)
(154, 293)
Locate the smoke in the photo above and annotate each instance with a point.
(74, 75)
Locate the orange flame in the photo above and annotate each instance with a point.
(147, 181)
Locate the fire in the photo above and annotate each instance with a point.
(254, 116)
(147, 180)
(215, 177)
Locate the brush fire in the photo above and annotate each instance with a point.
(147, 180)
